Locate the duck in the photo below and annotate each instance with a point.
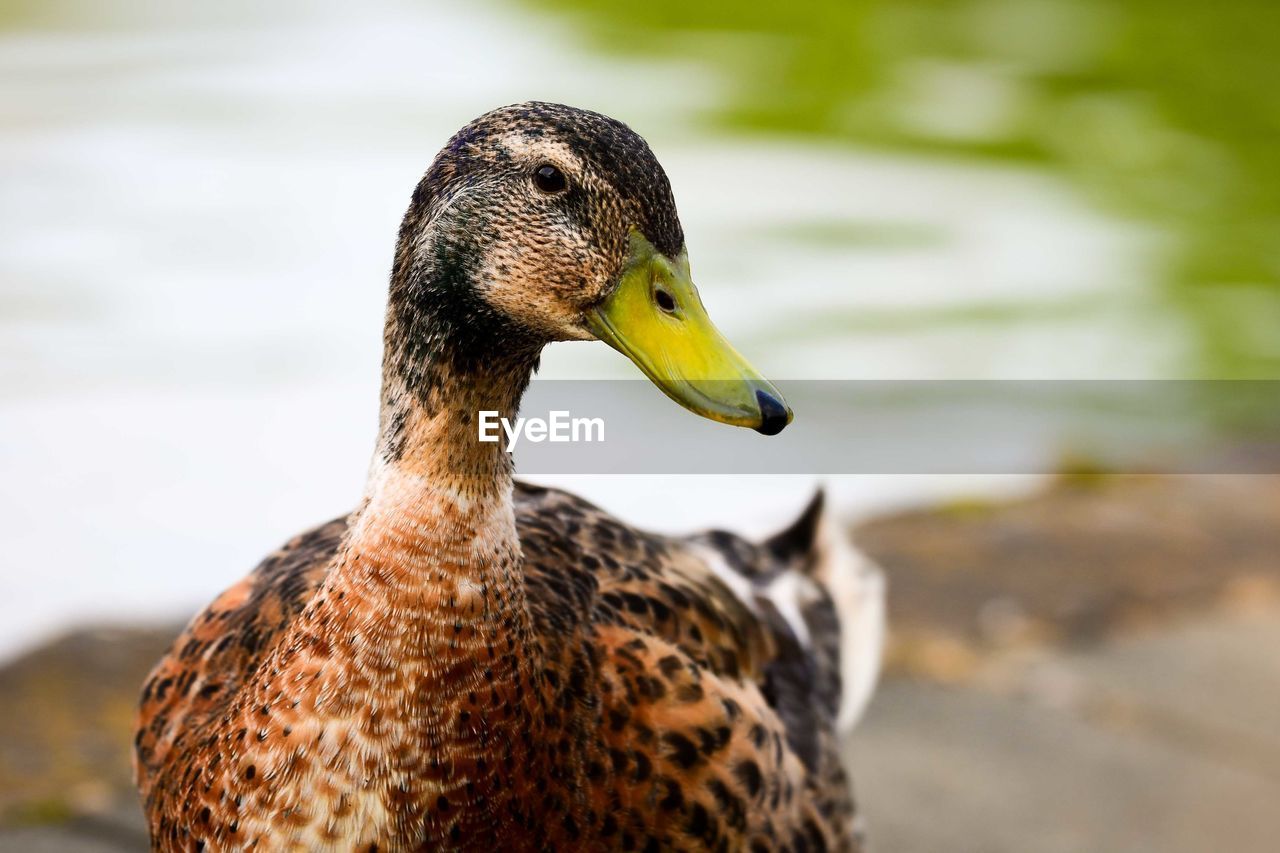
(470, 662)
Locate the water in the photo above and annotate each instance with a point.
(196, 225)
(1162, 111)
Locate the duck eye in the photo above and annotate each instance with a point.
(549, 179)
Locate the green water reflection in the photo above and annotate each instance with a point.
(1163, 111)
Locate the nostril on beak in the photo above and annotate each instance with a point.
(665, 300)
(773, 414)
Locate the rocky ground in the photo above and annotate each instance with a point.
(1096, 667)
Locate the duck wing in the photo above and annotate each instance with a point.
(728, 669)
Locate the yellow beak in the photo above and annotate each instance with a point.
(655, 318)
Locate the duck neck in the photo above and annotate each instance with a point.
(434, 546)
(430, 575)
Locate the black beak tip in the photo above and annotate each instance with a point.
(774, 416)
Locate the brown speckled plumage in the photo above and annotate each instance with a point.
(469, 663)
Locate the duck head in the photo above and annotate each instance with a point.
(539, 222)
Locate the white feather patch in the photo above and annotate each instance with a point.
(790, 593)
(739, 585)
(857, 588)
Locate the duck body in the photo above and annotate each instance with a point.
(469, 663)
(667, 713)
